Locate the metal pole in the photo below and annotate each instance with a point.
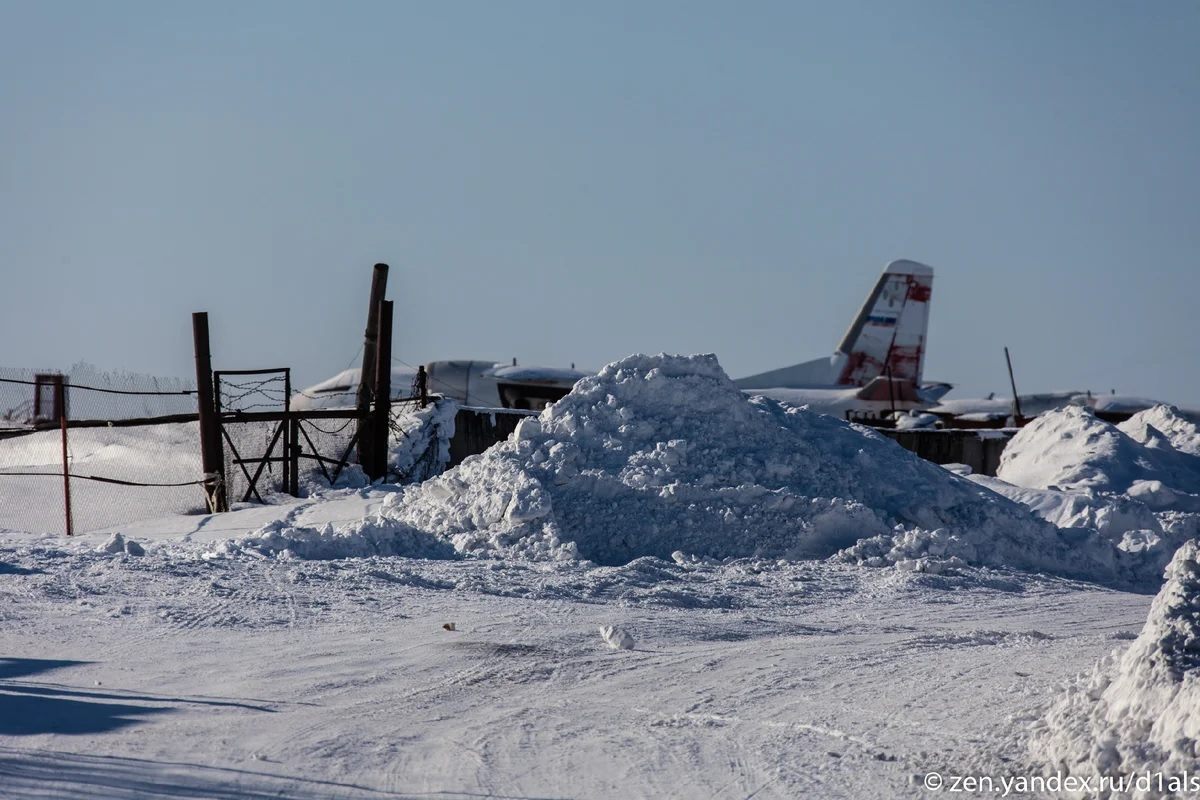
(423, 386)
(60, 400)
(285, 473)
(366, 380)
(891, 390)
(212, 452)
(294, 459)
(1013, 382)
(383, 391)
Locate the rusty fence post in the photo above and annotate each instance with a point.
(60, 402)
(366, 379)
(381, 426)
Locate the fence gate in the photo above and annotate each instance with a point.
(265, 440)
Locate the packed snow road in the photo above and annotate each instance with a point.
(245, 677)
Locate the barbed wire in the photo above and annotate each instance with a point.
(240, 391)
(99, 389)
(310, 423)
(101, 479)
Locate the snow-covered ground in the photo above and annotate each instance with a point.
(658, 588)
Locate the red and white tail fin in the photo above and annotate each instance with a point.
(888, 335)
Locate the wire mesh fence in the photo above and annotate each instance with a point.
(128, 445)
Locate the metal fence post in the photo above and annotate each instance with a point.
(383, 393)
(60, 402)
(366, 381)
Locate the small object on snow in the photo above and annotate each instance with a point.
(448, 626)
(115, 544)
(616, 638)
(118, 544)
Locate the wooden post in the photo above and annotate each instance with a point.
(212, 452)
(367, 379)
(423, 386)
(60, 402)
(381, 426)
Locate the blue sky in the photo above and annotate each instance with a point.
(572, 182)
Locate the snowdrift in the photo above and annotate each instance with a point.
(664, 455)
(1137, 711)
(1129, 483)
(1162, 421)
(1070, 448)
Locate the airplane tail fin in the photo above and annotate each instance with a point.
(890, 330)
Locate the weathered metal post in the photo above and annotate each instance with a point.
(293, 463)
(60, 402)
(1013, 382)
(423, 386)
(287, 440)
(383, 392)
(367, 379)
(212, 453)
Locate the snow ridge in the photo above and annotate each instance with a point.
(1136, 711)
(1163, 421)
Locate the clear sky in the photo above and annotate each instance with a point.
(575, 181)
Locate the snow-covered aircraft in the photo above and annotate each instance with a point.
(994, 411)
(472, 382)
(878, 365)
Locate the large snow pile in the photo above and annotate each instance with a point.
(1070, 448)
(1128, 482)
(1138, 711)
(1154, 424)
(663, 455)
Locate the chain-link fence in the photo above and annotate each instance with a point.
(128, 442)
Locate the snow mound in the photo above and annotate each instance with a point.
(1069, 448)
(1139, 710)
(1149, 522)
(916, 420)
(659, 454)
(1154, 424)
(118, 544)
(362, 539)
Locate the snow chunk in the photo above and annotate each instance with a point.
(616, 638)
(1138, 710)
(117, 544)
